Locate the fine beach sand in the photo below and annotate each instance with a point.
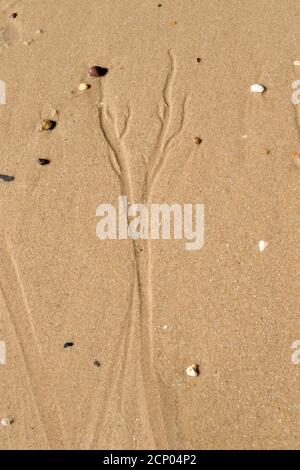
(138, 314)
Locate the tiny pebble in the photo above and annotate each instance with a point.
(198, 60)
(262, 245)
(47, 125)
(96, 363)
(43, 161)
(13, 16)
(257, 88)
(39, 31)
(7, 421)
(83, 86)
(193, 371)
(197, 140)
(297, 63)
(296, 158)
(68, 345)
(97, 71)
(7, 178)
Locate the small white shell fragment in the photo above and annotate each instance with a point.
(7, 421)
(257, 88)
(193, 371)
(262, 245)
(83, 86)
(2, 352)
(297, 63)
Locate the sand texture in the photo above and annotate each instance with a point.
(172, 120)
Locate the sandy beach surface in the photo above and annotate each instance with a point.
(96, 335)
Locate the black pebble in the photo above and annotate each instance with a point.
(96, 363)
(7, 178)
(43, 161)
(68, 345)
(198, 60)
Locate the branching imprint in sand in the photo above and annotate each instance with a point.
(153, 425)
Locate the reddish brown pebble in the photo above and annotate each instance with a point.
(13, 16)
(198, 60)
(96, 363)
(97, 71)
(197, 140)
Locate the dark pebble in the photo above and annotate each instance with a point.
(96, 363)
(68, 345)
(13, 16)
(159, 5)
(43, 161)
(97, 71)
(7, 178)
(198, 60)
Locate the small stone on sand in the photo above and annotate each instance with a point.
(197, 140)
(7, 178)
(262, 245)
(83, 86)
(193, 371)
(13, 16)
(47, 125)
(96, 363)
(297, 63)
(69, 344)
(43, 161)
(97, 71)
(257, 88)
(7, 421)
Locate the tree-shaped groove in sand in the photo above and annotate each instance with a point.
(153, 424)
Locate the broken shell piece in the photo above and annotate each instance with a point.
(257, 88)
(296, 158)
(262, 245)
(83, 86)
(7, 421)
(47, 125)
(97, 71)
(193, 371)
(297, 63)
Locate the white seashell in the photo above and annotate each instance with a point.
(262, 245)
(193, 371)
(257, 88)
(7, 421)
